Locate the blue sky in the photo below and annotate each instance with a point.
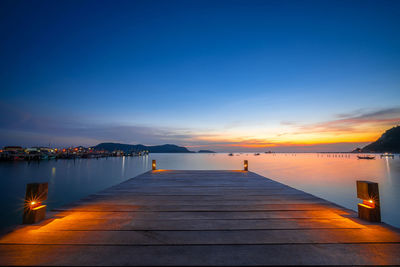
(223, 75)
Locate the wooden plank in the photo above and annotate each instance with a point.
(197, 198)
(125, 206)
(264, 224)
(204, 237)
(207, 215)
(243, 255)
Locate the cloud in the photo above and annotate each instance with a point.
(356, 121)
(288, 123)
(352, 130)
(363, 114)
(18, 126)
(348, 131)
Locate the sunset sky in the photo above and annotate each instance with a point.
(220, 75)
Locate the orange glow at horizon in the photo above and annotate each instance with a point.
(295, 136)
(293, 140)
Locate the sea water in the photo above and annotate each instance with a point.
(329, 176)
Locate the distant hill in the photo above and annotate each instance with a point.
(152, 149)
(206, 151)
(388, 142)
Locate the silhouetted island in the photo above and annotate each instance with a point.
(167, 148)
(206, 151)
(388, 142)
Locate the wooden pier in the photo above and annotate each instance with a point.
(167, 217)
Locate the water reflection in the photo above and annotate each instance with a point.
(389, 175)
(330, 176)
(123, 165)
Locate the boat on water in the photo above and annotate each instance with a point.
(230, 154)
(365, 157)
(256, 154)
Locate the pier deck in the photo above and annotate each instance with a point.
(201, 218)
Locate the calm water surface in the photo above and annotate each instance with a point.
(330, 176)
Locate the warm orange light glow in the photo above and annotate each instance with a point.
(38, 207)
(324, 133)
(34, 204)
(366, 206)
(368, 203)
(160, 170)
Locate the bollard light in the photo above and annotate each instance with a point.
(35, 194)
(153, 165)
(246, 165)
(369, 209)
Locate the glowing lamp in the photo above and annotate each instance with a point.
(34, 211)
(246, 165)
(153, 165)
(369, 209)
